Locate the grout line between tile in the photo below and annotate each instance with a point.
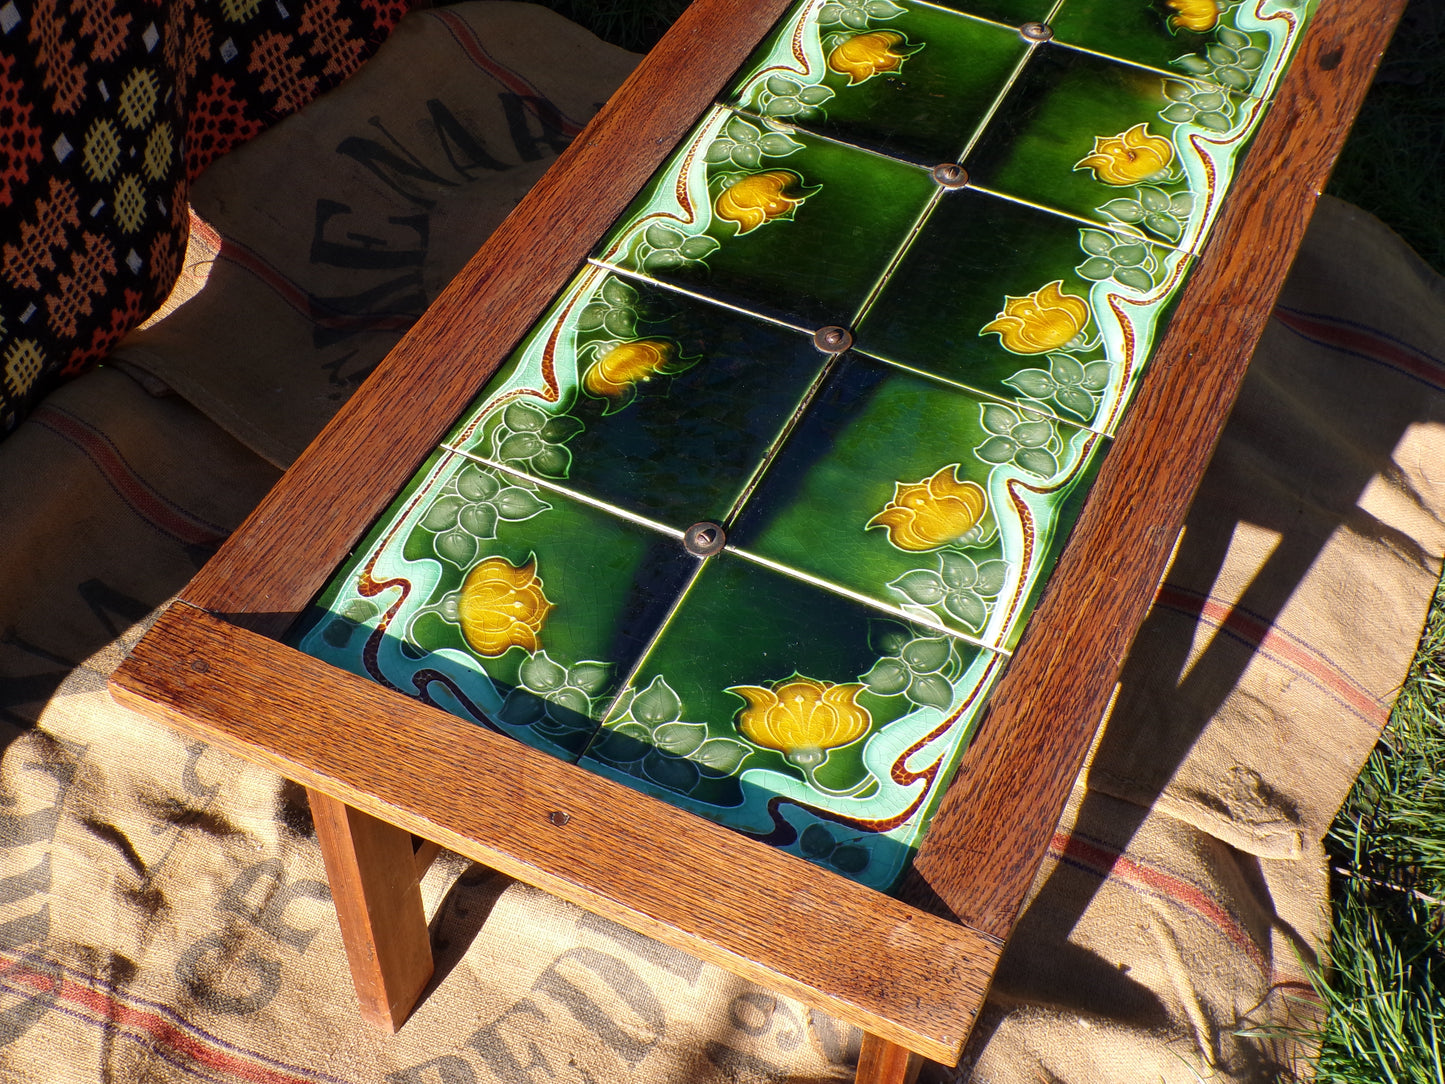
(990, 396)
(642, 657)
(862, 599)
(898, 256)
(1182, 77)
(640, 276)
(1091, 223)
(999, 99)
(571, 494)
(823, 137)
(775, 445)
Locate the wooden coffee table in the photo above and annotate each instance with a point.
(911, 968)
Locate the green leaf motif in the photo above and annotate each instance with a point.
(443, 514)
(932, 690)
(1096, 375)
(1166, 226)
(479, 520)
(968, 608)
(458, 547)
(1096, 269)
(680, 739)
(1129, 255)
(920, 586)
(1215, 122)
(851, 859)
(958, 571)
(516, 504)
(699, 247)
(656, 704)
(553, 460)
(1096, 242)
(1032, 434)
(816, 841)
(1037, 461)
(1125, 210)
(475, 484)
(590, 677)
(1076, 401)
(888, 677)
(520, 446)
(1035, 383)
(618, 293)
(991, 575)
(996, 450)
(670, 772)
(1135, 277)
(560, 429)
(573, 700)
(925, 656)
(541, 674)
(722, 755)
(999, 419)
(523, 418)
(521, 708)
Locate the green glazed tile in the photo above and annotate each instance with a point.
(922, 497)
(798, 717)
(504, 604)
(1243, 47)
(781, 223)
(1027, 305)
(1116, 143)
(645, 399)
(914, 81)
(1012, 12)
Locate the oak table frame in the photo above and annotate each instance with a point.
(381, 768)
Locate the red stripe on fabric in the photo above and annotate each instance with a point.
(1110, 863)
(1365, 341)
(127, 484)
(303, 302)
(1263, 635)
(467, 38)
(116, 1013)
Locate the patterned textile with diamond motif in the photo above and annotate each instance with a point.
(108, 110)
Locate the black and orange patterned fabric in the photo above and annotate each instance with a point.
(108, 110)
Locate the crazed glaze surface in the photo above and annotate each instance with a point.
(891, 511)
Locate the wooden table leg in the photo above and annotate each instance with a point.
(882, 1062)
(376, 888)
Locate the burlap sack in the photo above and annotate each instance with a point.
(163, 914)
(335, 237)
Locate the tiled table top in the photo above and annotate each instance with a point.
(754, 516)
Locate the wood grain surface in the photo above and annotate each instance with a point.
(375, 884)
(1006, 799)
(287, 549)
(908, 977)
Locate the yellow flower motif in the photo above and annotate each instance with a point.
(501, 606)
(802, 718)
(626, 364)
(1198, 15)
(863, 56)
(757, 198)
(1041, 321)
(927, 514)
(1129, 157)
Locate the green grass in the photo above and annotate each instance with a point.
(1385, 991)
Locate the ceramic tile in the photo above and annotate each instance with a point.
(782, 223)
(912, 80)
(1239, 46)
(1012, 12)
(1027, 305)
(798, 717)
(649, 400)
(1116, 143)
(505, 604)
(923, 497)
